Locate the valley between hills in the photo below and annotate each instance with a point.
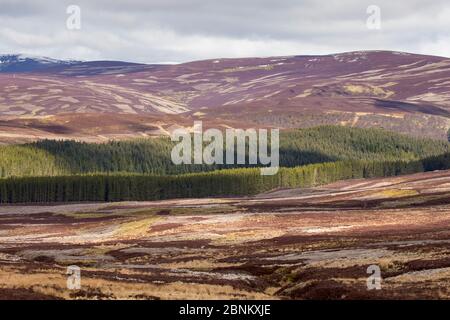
(86, 179)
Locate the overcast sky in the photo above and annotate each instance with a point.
(184, 30)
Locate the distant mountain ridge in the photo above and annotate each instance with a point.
(44, 97)
(29, 63)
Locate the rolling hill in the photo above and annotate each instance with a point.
(100, 100)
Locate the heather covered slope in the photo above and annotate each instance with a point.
(288, 244)
(404, 92)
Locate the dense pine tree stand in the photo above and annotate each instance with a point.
(64, 171)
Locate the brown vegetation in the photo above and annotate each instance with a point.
(287, 244)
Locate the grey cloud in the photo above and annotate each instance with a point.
(183, 30)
